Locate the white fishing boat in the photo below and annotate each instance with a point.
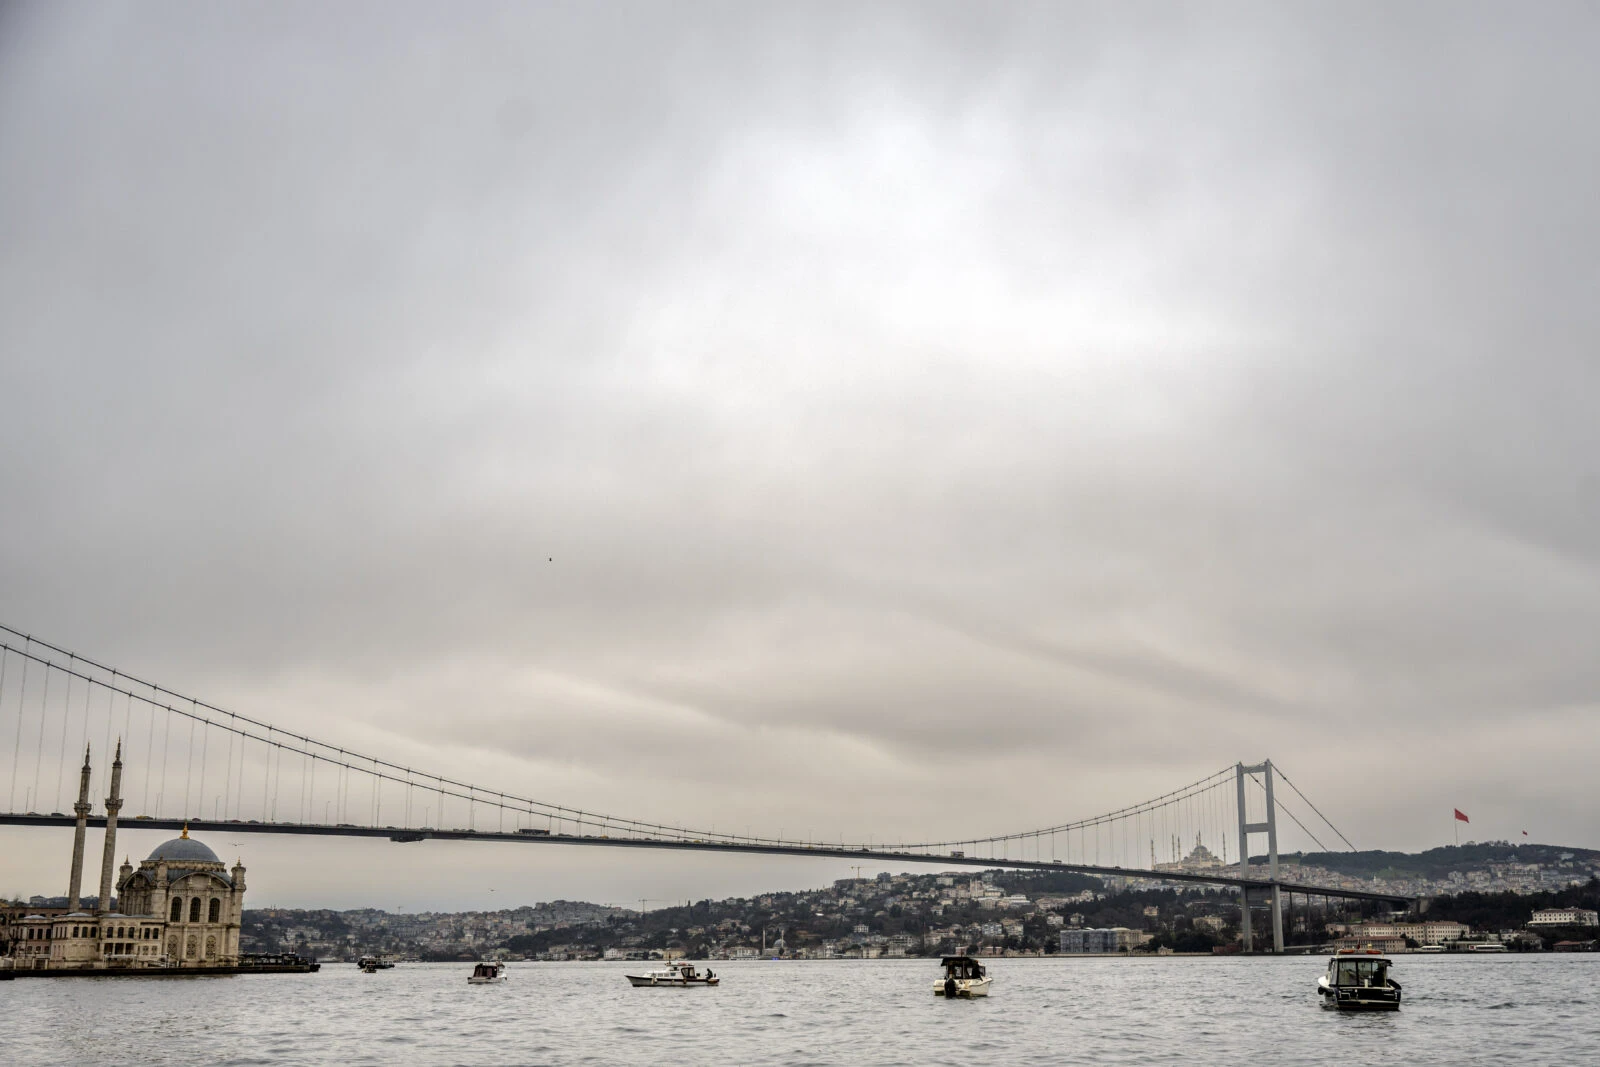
(487, 974)
(678, 975)
(1359, 982)
(963, 977)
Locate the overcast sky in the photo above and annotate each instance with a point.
(732, 414)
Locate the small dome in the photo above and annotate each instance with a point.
(183, 850)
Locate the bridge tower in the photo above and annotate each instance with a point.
(1270, 828)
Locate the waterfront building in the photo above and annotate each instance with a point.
(1113, 939)
(182, 908)
(1565, 917)
(197, 900)
(1388, 944)
(1433, 932)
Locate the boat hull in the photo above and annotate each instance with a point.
(638, 980)
(964, 987)
(1358, 998)
(486, 981)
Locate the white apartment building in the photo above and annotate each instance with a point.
(1423, 933)
(1565, 917)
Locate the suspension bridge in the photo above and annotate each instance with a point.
(188, 762)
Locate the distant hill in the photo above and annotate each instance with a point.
(1438, 863)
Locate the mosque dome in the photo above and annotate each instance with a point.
(183, 850)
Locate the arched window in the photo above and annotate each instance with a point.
(74, 931)
(190, 947)
(216, 909)
(172, 945)
(194, 910)
(211, 948)
(177, 908)
(122, 931)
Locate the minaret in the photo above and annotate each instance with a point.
(235, 917)
(75, 886)
(113, 805)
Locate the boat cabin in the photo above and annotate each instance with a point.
(486, 970)
(962, 968)
(1368, 972)
(1359, 983)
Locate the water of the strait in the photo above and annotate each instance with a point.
(1458, 1010)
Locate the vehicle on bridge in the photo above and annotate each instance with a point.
(1359, 982)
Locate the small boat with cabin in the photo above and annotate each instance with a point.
(1359, 982)
(374, 963)
(487, 973)
(679, 974)
(963, 977)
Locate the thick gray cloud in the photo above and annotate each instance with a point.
(686, 410)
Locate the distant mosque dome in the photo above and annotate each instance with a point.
(181, 850)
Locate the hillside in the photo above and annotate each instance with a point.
(1437, 864)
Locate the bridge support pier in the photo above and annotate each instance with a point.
(1270, 828)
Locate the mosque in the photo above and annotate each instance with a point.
(181, 908)
(1200, 858)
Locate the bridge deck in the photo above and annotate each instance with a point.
(407, 834)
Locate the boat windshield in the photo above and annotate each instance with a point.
(1362, 972)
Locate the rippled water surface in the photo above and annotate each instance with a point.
(1520, 1009)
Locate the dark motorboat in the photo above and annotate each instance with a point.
(489, 972)
(1359, 982)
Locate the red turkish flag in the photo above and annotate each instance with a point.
(1462, 816)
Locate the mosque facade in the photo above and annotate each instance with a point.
(182, 907)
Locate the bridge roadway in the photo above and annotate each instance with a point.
(405, 835)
